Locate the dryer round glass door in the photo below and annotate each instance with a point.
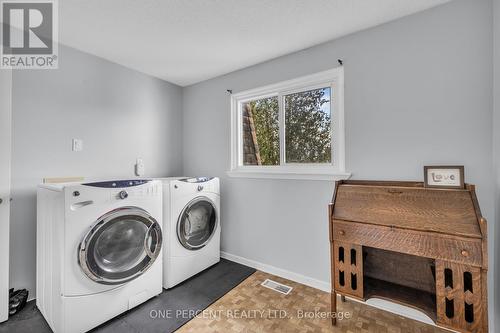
(197, 223)
(120, 246)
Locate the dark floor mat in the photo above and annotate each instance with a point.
(162, 314)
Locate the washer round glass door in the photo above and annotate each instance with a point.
(120, 246)
(197, 223)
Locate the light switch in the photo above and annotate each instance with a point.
(77, 144)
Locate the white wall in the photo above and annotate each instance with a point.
(418, 91)
(120, 115)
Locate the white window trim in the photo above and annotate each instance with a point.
(333, 78)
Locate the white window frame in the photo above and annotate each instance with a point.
(333, 78)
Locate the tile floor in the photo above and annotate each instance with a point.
(194, 294)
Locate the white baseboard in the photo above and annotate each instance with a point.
(305, 280)
(395, 308)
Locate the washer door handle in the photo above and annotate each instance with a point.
(155, 227)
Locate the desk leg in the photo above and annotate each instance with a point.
(333, 295)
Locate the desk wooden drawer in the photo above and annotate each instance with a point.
(430, 245)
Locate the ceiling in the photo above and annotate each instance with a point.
(188, 41)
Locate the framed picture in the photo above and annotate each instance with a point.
(444, 176)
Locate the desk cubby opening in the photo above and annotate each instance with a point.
(402, 278)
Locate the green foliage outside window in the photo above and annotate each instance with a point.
(307, 127)
(265, 113)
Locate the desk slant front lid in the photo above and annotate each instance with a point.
(417, 208)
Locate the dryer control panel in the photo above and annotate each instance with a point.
(196, 179)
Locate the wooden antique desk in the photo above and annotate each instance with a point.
(421, 247)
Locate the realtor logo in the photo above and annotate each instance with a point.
(29, 34)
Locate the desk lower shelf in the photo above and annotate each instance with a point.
(421, 300)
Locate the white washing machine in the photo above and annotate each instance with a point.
(191, 227)
(98, 250)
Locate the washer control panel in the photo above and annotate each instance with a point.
(118, 183)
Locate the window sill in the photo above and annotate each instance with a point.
(290, 174)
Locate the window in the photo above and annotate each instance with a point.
(293, 129)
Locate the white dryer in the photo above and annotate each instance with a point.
(191, 227)
(98, 250)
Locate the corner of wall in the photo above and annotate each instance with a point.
(496, 157)
(183, 141)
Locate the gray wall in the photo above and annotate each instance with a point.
(119, 113)
(5, 153)
(496, 145)
(418, 91)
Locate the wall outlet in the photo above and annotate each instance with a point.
(139, 167)
(77, 144)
